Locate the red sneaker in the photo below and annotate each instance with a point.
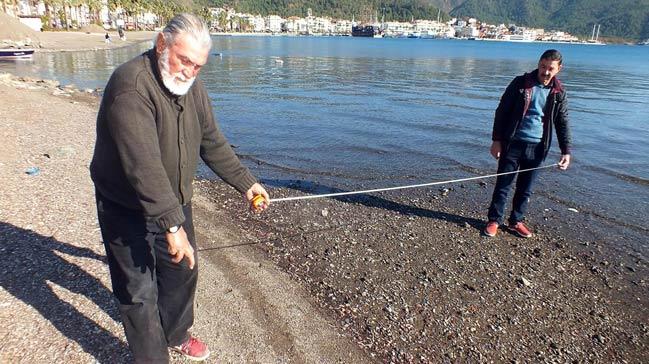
(492, 228)
(520, 229)
(193, 349)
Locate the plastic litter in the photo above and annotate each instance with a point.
(33, 171)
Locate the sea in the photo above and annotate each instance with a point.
(359, 113)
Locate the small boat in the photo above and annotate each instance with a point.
(16, 53)
(366, 31)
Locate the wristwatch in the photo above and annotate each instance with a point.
(173, 229)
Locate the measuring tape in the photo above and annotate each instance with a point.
(258, 200)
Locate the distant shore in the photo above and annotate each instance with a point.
(617, 41)
(78, 41)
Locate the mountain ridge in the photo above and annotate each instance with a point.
(622, 18)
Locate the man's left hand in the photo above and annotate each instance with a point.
(564, 162)
(255, 190)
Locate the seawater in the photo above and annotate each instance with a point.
(358, 113)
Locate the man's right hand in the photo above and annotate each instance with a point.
(496, 149)
(179, 247)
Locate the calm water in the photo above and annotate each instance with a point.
(358, 113)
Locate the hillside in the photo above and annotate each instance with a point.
(446, 5)
(622, 18)
(360, 10)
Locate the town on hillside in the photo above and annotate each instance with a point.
(41, 15)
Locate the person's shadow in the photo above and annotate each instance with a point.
(29, 261)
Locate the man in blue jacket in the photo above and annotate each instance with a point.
(531, 106)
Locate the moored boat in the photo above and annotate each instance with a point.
(366, 31)
(16, 53)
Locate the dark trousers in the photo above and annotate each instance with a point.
(518, 155)
(156, 296)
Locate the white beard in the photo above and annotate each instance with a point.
(176, 83)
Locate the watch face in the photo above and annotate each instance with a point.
(173, 229)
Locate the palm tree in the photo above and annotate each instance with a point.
(15, 9)
(94, 6)
(222, 20)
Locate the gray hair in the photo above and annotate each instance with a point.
(190, 24)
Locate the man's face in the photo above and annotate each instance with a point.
(180, 63)
(547, 70)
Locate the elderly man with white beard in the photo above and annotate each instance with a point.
(154, 123)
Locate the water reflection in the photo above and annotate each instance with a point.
(88, 69)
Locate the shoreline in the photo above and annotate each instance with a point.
(74, 41)
(401, 276)
(251, 34)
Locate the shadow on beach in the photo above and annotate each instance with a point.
(375, 201)
(31, 262)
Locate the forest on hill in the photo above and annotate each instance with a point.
(621, 18)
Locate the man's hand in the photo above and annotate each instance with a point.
(179, 247)
(257, 189)
(564, 162)
(496, 149)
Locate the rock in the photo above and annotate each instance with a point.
(524, 282)
(573, 209)
(325, 212)
(598, 338)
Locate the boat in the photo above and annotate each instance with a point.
(15, 53)
(594, 38)
(366, 31)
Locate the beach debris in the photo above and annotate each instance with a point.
(64, 151)
(279, 61)
(598, 338)
(524, 282)
(444, 191)
(59, 92)
(33, 171)
(325, 212)
(572, 209)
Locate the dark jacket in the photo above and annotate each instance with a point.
(149, 142)
(514, 104)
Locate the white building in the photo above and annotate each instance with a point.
(274, 23)
(296, 25)
(397, 29)
(342, 27)
(257, 22)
